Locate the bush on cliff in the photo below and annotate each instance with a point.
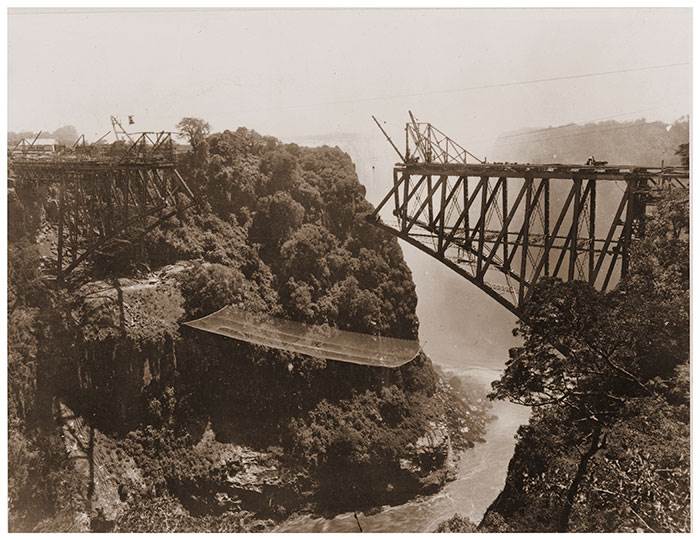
(318, 261)
(280, 229)
(592, 457)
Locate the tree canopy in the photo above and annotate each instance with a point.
(195, 129)
(598, 369)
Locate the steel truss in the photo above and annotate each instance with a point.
(106, 199)
(505, 226)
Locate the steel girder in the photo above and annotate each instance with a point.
(103, 207)
(505, 226)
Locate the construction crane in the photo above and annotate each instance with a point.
(119, 132)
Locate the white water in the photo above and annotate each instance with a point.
(480, 477)
(465, 333)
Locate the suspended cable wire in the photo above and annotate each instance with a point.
(480, 87)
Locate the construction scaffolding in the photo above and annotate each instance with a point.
(104, 195)
(503, 226)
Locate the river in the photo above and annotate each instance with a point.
(465, 333)
(480, 477)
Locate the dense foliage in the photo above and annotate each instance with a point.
(607, 448)
(42, 486)
(456, 524)
(279, 229)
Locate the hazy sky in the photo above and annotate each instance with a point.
(317, 76)
(292, 73)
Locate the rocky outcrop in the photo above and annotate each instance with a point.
(130, 341)
(105, 470)
(125, 347)
(431, 460)
(243, 478)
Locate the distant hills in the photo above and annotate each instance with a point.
(621, 143)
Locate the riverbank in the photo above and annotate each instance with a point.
(479, 477)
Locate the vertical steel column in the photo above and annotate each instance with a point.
(77, 218)
(630, 214)
(466, 216)
(397, 206)
(408, 151)
(526, 240)
(591, 229)
(641, 197)
(430, 198)
(504, 202)
(573, 241)
(109, 193)
(547, 245)
(482, 222)
(405, 178)
(441, 214)
(61, 217)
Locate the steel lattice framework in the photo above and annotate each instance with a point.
(107, 195)
(504, 226)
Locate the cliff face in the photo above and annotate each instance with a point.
(637, 482)
(621, 143)
(225, 432)
(126, 335)
(607, 448)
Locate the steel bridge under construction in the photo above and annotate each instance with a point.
(106, 196)
(503, 226)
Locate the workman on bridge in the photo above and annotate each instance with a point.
(594, 163)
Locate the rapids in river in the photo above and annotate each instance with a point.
(465, 333)
(481, 474)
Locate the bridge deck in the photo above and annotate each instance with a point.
(319, 342)
(554, 170)
(79, 165)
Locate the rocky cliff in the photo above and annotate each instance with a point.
(225, 435)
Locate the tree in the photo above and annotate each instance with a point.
(195, 129)
(457, 524)
(66, 135)
(209, 288)
(280, 165)
(230, 188)
(304, 254)
(587, 356)
(684, 152)
(277, 216)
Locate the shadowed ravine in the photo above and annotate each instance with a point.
(480, 477)
(472, 347)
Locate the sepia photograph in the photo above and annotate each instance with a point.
(391, 269)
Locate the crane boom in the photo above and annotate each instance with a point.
(388, 139)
